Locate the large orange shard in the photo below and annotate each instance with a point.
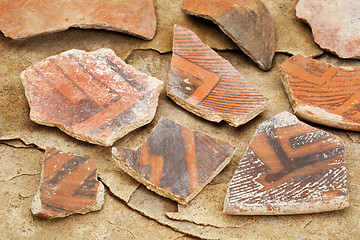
(207, 85)
(322, 93)
(23, 18)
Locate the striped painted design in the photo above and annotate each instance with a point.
(203, 80)
(68, 184)
(174, 161)
(289, 168)
(323, 93)
(92, 96)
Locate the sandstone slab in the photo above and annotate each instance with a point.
(207, 85)
(247, 22)
(289, 168)
(68, 185)
(22, 19)
(94, 97)
(335, 25)
(174, 161)
(323, 93)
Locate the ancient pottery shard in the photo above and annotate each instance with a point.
(335, 24)
(323, 93)
(174, 161)
(247, 22)
(207, 85)
(22, 18)
(68, 185)
(94, 97)
(289, 168)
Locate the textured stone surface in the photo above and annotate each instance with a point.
(207, 85)
(335, 25)
(21, 19)
(94, 97)
(289, 168)
(323, 93)
(247, 22)
(68, 185)
(174, 161)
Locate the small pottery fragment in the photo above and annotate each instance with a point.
(289, 168)
(23, 18)
(322, 93)
(174, 161)
(94, 97)
(247, 22)
(68, 185)
(335, 24)
(207, 85)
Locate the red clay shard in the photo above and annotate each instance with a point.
(22, 18)
(174, 161)
(247, 22)
(94, 97)
(335, 24)
(207, 85)
(68, 185)
(289, 168)
(322, 93)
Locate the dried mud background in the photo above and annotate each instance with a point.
(131, 211)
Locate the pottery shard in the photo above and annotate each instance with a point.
(207, 85)
(23, 18)
(174, 161)
(68, 185)
(323, 93)
(289, 168)
(94, 97)
(335, 24)
(247, 22)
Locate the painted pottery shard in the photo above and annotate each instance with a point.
(323, 93)
(207, 85)
(174, 161)
(94, 97)
(68, 185)
(339, 33)
(21, 18)
(247, 22)
(289, 168)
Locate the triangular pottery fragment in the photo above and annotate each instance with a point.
(247, 22)
(94, 97)
(289, 168)
(68, 185)
(335, 24)
(207, 85)
(22, 18)
(174, 161)
(322, 93)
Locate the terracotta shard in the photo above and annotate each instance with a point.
(247, 22)
(323, 93)
(22, 19)
(289, 168)
(207, 85)
(94, 97)
(68, 185)
(339, 33)
(174, 161)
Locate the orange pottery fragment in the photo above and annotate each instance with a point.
(23, 18)
(94, 97)
(207, 85)
(323, 93)
(68, 185)
(174, 161)
(335, 24)
(247, 22)
(289, 168)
